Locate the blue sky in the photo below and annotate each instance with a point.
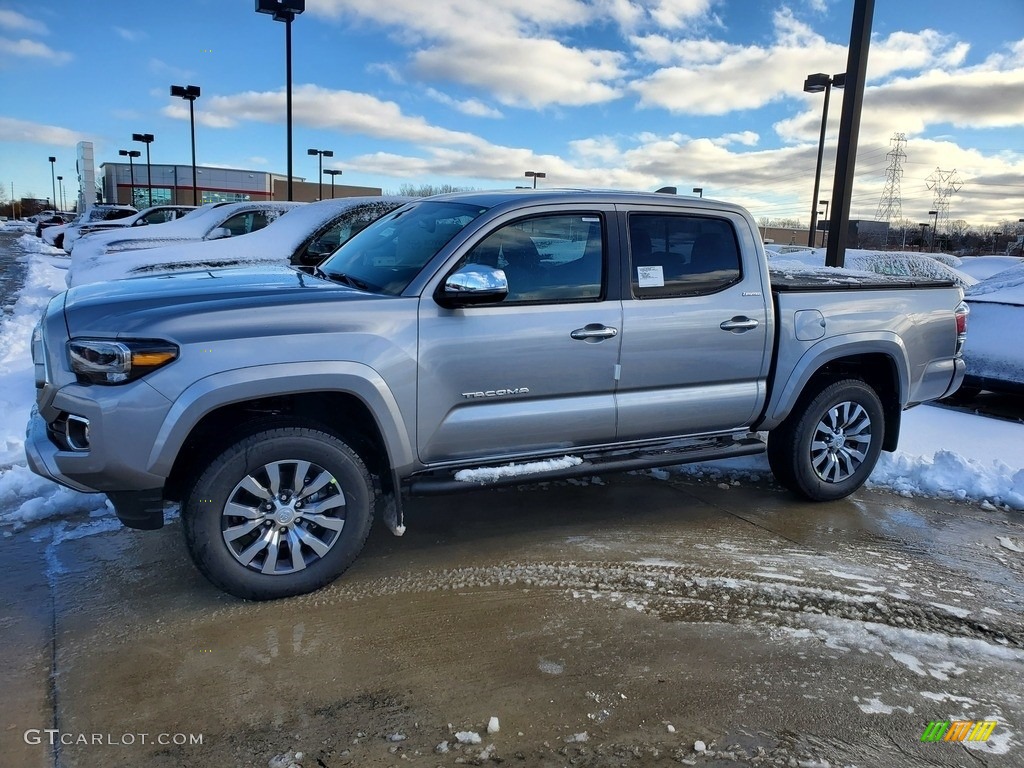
(603, 93)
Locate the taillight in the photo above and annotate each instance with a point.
(961, 311)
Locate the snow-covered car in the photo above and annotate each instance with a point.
(213, 223)
(993, 352)
(158, 214)
(55, 235)
(52, 220)
(984, 267)
(304, 237)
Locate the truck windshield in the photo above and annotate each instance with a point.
(387, 255)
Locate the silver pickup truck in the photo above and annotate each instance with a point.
(464, 341)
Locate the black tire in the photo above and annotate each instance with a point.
(259, 531)
(848, 421)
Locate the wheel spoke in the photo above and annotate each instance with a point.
(238, 531)
(301, 470)
(251, 485)
(255, 548)
(233, 509)
(331, 523)
(274, 475)
(312, 541)
(298, 563)
(270, 562)
(322, 479)
(331, 502)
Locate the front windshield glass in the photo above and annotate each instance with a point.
(387, 255)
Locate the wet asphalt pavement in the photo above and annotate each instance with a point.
(602, 624)
(12, 270)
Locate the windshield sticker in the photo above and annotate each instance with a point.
(650, 277)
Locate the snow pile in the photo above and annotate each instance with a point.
(485, 475)
(25, 497)
(941, 453)
(871, 263)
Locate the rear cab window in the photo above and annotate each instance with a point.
(679, 254)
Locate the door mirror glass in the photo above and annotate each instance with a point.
(219, 233)
(473, 284)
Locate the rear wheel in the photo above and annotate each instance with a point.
(281, 513)
(828, 447)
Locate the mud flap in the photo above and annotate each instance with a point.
(389, 509)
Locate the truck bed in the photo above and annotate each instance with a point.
(813, 281)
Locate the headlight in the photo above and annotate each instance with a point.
(100, 361)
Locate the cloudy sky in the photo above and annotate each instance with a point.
(633, 94)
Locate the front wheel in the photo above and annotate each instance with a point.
(280, 513)
(829, 445)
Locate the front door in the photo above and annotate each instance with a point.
(534, 372)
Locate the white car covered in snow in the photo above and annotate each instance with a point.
(213, 223)
(304, 237)
(994, 353)
(95, 213)
(158, 214)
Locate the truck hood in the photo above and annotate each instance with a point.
(146, 307)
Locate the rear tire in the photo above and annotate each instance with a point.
(828, 446)
(280, 513)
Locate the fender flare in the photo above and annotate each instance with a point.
(242, 384)
(854, 345)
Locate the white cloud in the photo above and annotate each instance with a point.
(504, 47)
(746, 138)
(748, 77)
(257, 160)
(317, 107)
(18, 22)
(131, 35)
(527, 71)
(471, 107)
(32, 49)
(23, 131)
(674, 14)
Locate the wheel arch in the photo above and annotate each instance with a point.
(360, 409)
(880, 363)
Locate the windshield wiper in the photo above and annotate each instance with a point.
(341, 277)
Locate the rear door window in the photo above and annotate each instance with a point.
(681, 255)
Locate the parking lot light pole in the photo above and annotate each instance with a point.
(817, 83)
(535, 175)
(995, 241)
(935, 226)
(52, 179)
(321, 153)
(924, 226)
(286, 11)
(699, 191)
(147, 139)
(60, 185)
(332, 172)
(131, 154)
(190, 93)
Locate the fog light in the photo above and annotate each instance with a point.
(77, 433)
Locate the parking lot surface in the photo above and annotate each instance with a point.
(625, 621)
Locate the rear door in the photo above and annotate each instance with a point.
(695, 341)
(536, 371)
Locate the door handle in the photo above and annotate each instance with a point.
(594, 331)
(739, 324)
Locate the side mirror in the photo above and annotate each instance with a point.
(219, 233)
(473, 284)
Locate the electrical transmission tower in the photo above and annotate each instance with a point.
(890, 207)
(945, 184)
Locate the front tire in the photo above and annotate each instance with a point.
(280, 513)
(827, 448)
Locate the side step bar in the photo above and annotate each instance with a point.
(594, 463)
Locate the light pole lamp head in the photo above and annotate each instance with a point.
(328, 153)
(933, 213)
(190, 92)
(823, 202)
(281, 10)
(312, 151)
(816, 83)
(332, 172)
(698, 191)
(52, 159)
(145, 138)
(839, 81)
